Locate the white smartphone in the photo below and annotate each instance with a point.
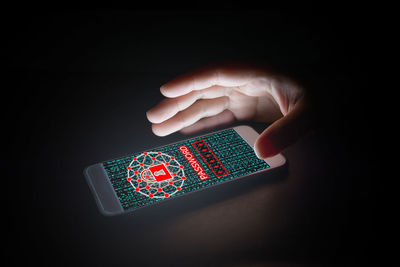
(135, 181)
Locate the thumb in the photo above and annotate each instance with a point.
(285, 131)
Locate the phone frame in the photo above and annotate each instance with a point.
(107, 199)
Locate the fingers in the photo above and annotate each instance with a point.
(284, 131)
(227, 76)
(169, 107)
(200, 109)
(223, 118)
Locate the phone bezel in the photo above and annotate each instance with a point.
(107, 199)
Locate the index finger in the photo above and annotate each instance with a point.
(227, 76)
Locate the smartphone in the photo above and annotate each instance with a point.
(141, 179)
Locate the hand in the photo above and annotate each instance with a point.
(218, 95)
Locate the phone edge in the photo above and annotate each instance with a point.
(100, 185)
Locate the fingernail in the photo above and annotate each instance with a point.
(149, 116)
(162, 89)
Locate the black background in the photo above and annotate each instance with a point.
(78, 84)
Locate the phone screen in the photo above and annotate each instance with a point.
(165, 172)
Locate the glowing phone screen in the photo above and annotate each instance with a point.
(169, 171)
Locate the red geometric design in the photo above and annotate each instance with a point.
(155, 175)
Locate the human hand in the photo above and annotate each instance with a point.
(217, 95)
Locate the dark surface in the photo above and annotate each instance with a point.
(80, 83)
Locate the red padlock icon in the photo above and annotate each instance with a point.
(156, 173)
